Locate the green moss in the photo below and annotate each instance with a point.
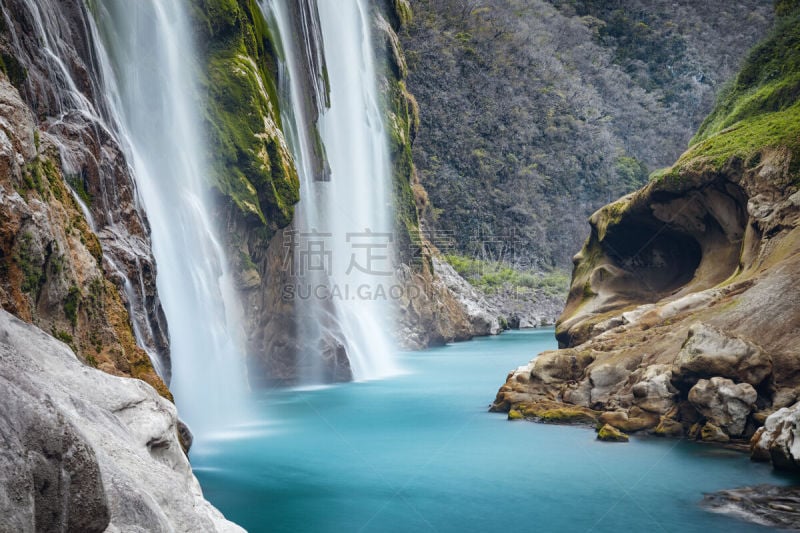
(71, 303)
(29, 262)
(513, 414)
(403, 11)
(609, 433)
(252, 164)
(77, 184)
(17, 74)
(491, 276)
(247, 261)
(558, 415)
(761, 108)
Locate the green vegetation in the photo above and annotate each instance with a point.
(491, 276)
(536, 113)
(71, 303)
(402, 114)
(761, 107)
(76, 182)
(29, 260)
(63, 336)
(252, 164)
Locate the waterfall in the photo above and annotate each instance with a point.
(347, 211)
(148, 62)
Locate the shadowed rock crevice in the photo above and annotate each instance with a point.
(648, 247)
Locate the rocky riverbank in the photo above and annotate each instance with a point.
(682, 316)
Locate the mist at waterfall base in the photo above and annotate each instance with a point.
(144, 46)
(420, 452)
(350, 213)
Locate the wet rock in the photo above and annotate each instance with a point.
(765, 505)
(724, 403)
(557, 413)
(609, 433)
(668, 427)
(634, 420)
(711, 433)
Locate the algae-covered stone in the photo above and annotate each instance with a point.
(609, 433)
(513, 414)
(557, 413)
(713, 433)
(668, 427)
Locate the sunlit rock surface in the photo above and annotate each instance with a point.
(87, 451)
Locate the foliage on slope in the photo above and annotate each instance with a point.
(534, 113)
(761, 107)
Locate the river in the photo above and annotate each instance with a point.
(420, 452)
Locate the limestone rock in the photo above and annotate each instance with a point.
(709, 352)
(634, 420)
(655, 393)
(87, 451)
(724, 403)
(779, 439)
(668, 427)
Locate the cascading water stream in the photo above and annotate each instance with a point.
(146, 53)
(352, 210)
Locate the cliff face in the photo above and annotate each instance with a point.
(437, 306)
(682, 315)
(74, 247)
(86, 451)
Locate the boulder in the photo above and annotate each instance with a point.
(609, 433)
(712, 433)
(668, 427)
(634, 420)
(779, 440)
(709, 352)
(724, 403)
(87, 451)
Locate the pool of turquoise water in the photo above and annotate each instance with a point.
(420, 452)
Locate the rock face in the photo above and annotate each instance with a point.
(74, 247)
(682, 315)
(56, 272)
(709, 352)
(87, 451)
(443, 307)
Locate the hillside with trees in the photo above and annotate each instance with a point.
(534, 114)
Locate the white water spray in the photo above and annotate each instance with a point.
(148, 58)
(354, 208)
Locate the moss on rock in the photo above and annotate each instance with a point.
(252, 164)
(609, 433)
(557, 413)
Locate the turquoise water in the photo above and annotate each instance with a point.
(420, 453)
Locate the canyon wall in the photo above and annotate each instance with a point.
(682, 316)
